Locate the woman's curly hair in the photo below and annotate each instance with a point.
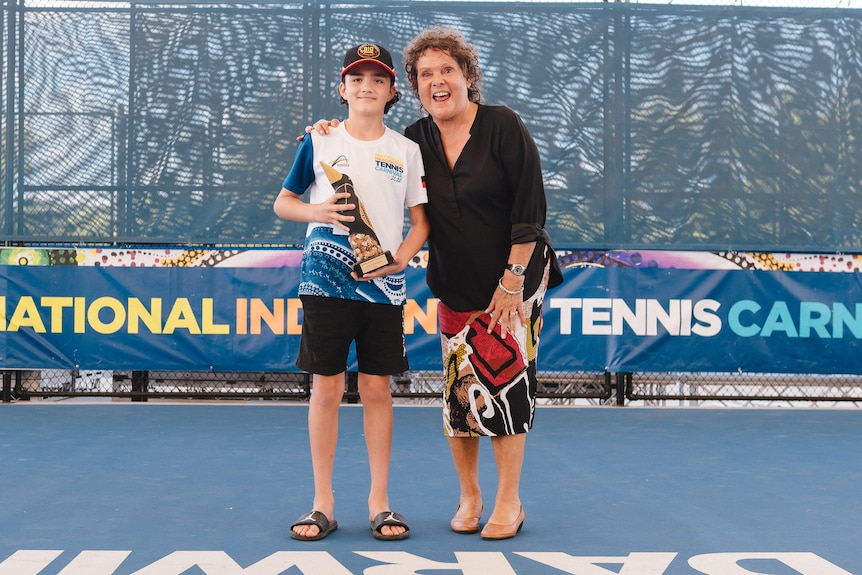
(453, 43)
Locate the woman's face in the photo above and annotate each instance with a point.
(441, 84)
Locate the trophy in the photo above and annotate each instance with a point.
(370, 255)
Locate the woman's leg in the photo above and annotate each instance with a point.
(326, 395)
(509, 456)
(465, 456)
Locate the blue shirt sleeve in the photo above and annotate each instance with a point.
(302, 173)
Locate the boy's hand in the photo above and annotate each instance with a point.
(329, 212)
(321, 127)
(386, 270)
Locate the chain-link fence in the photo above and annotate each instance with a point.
(569, 388)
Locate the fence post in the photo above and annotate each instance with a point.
(140, 383)
(622, 379)
(7, 387)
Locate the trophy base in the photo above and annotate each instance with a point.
(373, 264)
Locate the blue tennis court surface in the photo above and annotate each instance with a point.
(170, 489)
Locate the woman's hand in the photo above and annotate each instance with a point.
(321, 127)
(506, 308)
(507, 303)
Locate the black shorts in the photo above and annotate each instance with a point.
(330, 325)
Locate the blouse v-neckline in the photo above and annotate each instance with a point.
(469, 136)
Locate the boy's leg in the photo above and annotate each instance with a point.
(376, 398)
(326, 395)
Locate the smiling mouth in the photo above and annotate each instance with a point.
(440, 96)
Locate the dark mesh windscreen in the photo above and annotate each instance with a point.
(658, 126)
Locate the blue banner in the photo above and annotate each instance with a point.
(245, 318)
(222, 319)
(625, 320)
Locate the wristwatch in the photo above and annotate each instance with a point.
(516, 269)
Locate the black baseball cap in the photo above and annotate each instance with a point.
(368, 52)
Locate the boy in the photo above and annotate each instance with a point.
(340, 305)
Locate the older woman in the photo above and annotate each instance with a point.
(490, 262)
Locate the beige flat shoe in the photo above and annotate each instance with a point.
(500, 531)
(466, 525)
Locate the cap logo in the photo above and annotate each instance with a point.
(368, 51)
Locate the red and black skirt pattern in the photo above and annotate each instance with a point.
(490, 381)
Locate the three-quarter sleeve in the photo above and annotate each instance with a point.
(519, 158)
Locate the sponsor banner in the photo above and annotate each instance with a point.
(172, 318)
(221, 319)
(627, 319)
(238, 311)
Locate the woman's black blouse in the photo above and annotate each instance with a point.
(493, 198)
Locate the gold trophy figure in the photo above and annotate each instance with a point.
(370, 255)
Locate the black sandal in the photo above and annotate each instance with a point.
(393, 520)
(324, 526)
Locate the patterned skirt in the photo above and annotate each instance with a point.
(490, 381)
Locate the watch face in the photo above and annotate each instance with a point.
(517, 269)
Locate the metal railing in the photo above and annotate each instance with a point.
(425, 388)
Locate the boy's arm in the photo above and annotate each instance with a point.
(289, 206)
(413, 242)
(416, 236)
